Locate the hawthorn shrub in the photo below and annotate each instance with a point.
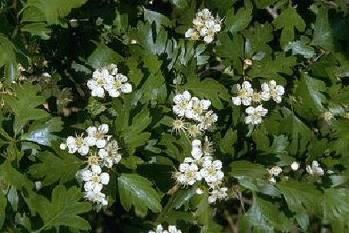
(174, 116)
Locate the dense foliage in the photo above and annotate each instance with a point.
(197, 115)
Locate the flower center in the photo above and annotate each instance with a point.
(117, 84)
(80, 141)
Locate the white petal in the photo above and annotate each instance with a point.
(236, 100)
(103, 128)
(83, 150)
(114, 93)
(104, 178)
(91, 141)
(208, 39)
(126, 88)
(96, 169)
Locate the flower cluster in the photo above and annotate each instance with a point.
(273, 173)
(201, 166)
(101, 152)
(247, 96)
(315, 169)
(205, 26)
(171, 229)
(197, 113)
(107, 79)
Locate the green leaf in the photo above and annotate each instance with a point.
(41, 132)
(174, 147)
(63, 209)
(131, 128)
(159, 19)
(300, 196)
(205, 215)
(231, 49)
(54, 168)
(264, 3)
(300, 48)
(257, 39)
(95, 107)
(25, 104)
(273, 68)
(154, 88)
(37, 29)
(150, 41)
(102, 56)
(238, 21)
(299, 134)
(182, 197)
(323, 36)
(228, 141)
(341, 137)
(335, 204)
(135, 74)
(180, 3)
(50, 11)
(137, 191)
(209, 89)
(310, 98)
(247, 169)
(288, 21)
(8, 58)
(3, 204)
(264, 216)
(13, 177)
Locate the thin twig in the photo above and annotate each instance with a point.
(230, 221)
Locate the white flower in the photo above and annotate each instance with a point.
(208, 38)
(295, 166)
(275, 171)
(211, 171)
(199, 191)
(159, 229)
(315, 169)
(38, 185)
(196, 150)
(77, 144)
(244, 94)
(198, 108)
(192, 34)
(194, 130)
(208, 120)
(97, 136)
(188, 174)
(272, 90)
(110, 154)
(63, 146)
(118, 85)
(94, 178)
(108, 79)
(255, 114)
(327, 116)
(272, 180)
(171, 229)
(218, 194)
(99, 79)
(183, 104)
(204, 26)
(96, 197)
(179, 125)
